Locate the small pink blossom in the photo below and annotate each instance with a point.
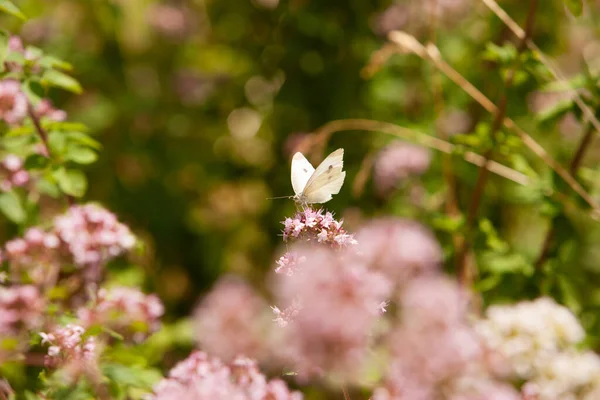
(288, 263)
(310, 225)
(397, 162)
(93, 235)
(13, 103)
(67, 345)
(232, 307)
(339, 299)
(45, 109)
(399, 248)
(125, 310)
(21, 309)
(203, 377)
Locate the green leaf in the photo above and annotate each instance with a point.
(4, 36)
(555, 111)
(575, 6)
(12, 207)
(71, 181)
(82, 138)
(61, 80)
(9, 8)
(511, 263)
(36, 161)
(54, 62)
(81, 155)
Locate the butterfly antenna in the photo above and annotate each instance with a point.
(281, 197)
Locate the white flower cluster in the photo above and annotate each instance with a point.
(538, 340)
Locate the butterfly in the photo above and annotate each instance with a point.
(317, 185)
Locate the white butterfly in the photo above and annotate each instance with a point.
(317, 185)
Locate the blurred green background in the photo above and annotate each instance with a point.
(198, 103)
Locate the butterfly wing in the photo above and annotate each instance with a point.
(327, 179)
(302, 171)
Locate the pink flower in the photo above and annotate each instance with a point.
(203, 377)
(435, 350)
(316, 226)
(288, 263)
(13, 103)
(37, 254)
(125, 310)
(397, 162)
(21, 309)
(93, 235)
(47, 110)
(340, 300)
(67, 345)
(399, 248)
(230, 308)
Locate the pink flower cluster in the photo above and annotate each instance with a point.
(35, 255)
(67, 344)
(401, 249)
(397, 162)
(125, 310)
(203, 377)
(230, 308)
(13, 103)
(316, 226)
(435, 352)
(93, 235)
(15, 174)
(340, 301)
(21, 308)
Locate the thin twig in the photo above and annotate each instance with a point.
(346, 394)
(575, 163)
(40, 130)
(465, 276)
(545, 60)
(322, 135)
(431, 53)
(451, 203)
(44, 137)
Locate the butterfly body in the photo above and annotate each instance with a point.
(317, 185)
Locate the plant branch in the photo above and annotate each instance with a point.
(409, 43)
(575, 163)
(40, 130)
(322, 135)
(465, 276)
(44, 137)
(545, 60)
(451, 204)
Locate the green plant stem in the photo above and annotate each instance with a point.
(466, 276)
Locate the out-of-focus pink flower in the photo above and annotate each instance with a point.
(21, 309)
(340, 300)
(36, 254)
(13, 102)
(287, 263)
(397, 162)
(233, 307)
(317, 227)
(125, 310)
(93, 235)
(47, 110)
(11, 168)
(399, 248)
(203, 377)
(169, 20)
(435, 350)
(66, 344)
(16, 44)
